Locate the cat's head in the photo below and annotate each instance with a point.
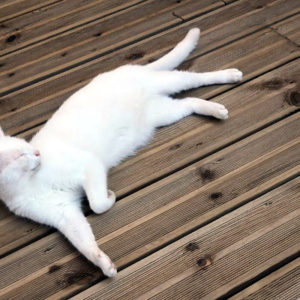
(17, 159)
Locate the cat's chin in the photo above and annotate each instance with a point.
(36, 166)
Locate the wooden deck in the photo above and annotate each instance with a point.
(209, 209)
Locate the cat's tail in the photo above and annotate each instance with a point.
(178, 54)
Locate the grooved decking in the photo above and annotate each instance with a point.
(209, 209)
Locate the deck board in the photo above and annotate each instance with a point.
(219, 27)
(228, 252)
(210, 192)
(182, 202)
(53, 19)
(289, 29)
(281, 284)
(96, 38)
(13, 8)
(177, 147)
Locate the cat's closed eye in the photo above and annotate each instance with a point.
(33, 153)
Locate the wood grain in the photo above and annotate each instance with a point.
(249, 107)
(182, 202)
(12, 8)
(95, 39)
(208, 207)
(54, 19)
(189, 140)
(225, 253)
(283, 283)
(72, 48)
(34, 105)
(290, 28)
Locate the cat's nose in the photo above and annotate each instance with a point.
(37, 153)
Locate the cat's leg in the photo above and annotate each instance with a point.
(171, 82)
(176, 56)
(165, 110)
(73, 224)
(95, 186)
(64, 213)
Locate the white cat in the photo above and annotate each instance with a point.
(95, 129)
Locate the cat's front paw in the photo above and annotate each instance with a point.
(111, 271)
(233, 75)
(107, 266)
(101, 205)
(111, 196)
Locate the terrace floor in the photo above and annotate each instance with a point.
(209, 209)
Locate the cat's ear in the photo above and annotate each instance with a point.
(1, 133)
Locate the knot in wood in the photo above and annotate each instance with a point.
(204, 262)
(294, 98)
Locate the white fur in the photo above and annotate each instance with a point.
(95, 129)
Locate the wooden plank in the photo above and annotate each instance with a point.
(177, 145)
(63, 51)
(217, 258)
(12, 8)
(95, 39)
(283, 283)
(279, 50)
(70, 278)
(3, 211)
(181, 202)
(16, 232)
(60, 18)
(254, 55)
(33, 105)
(251, 46)
(174, 146)
(54, 19)
(290, 28)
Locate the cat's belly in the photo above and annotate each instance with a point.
(125, 144)
(110, 128)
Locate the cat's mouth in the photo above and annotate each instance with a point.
(35, 168)
(36, 165)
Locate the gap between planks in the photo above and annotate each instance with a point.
(40, 32)
(163, 154)
(261, 140)
(82, 43)
(109, 44)
(172, 272)
(31, 107)
(16, 8)
(284, 283)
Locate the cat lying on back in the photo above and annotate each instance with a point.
(94, 130)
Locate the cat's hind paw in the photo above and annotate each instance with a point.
(220, 111)
(234, 75)
(193, 36)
